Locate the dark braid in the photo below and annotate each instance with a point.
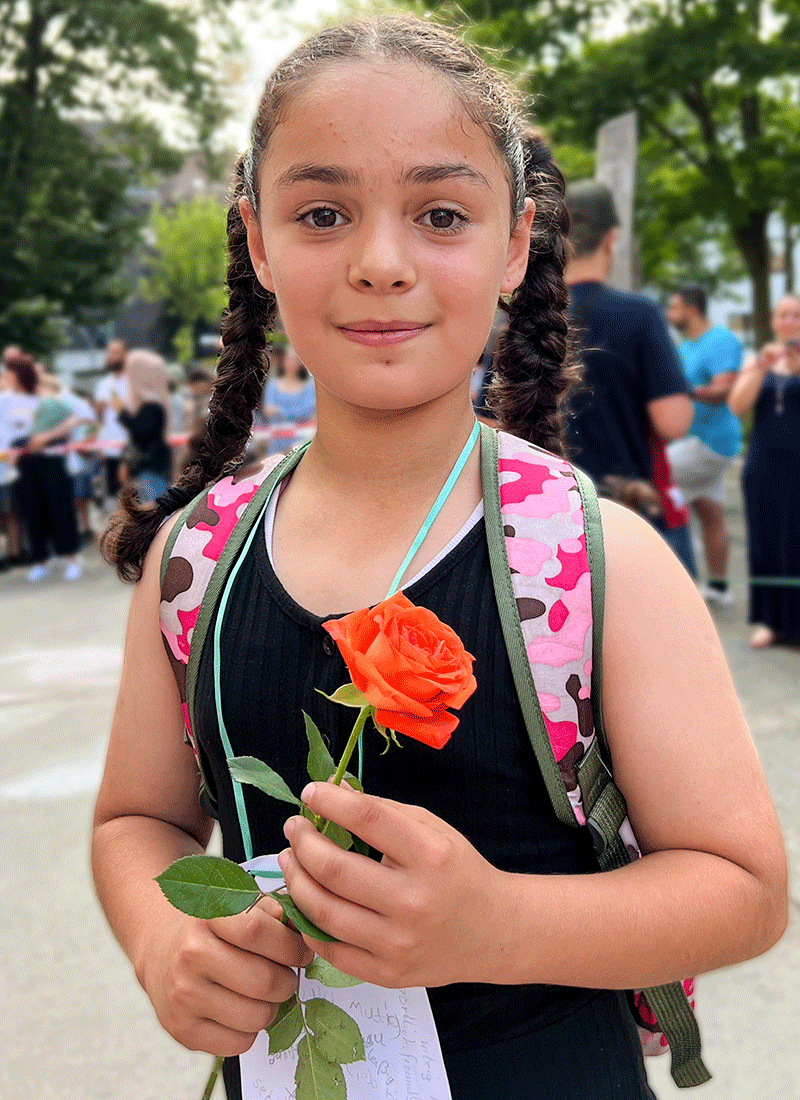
(241, 373)
(536, 368)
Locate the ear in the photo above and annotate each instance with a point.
(518, 250)
(255, 244)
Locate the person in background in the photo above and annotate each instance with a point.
(711, 357)
(44, 486)
(18, 401)
(80, 465)
(633, 386)
(769, 384)
(290, 396)
(147, 461)
(112, 390)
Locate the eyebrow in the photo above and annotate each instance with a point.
(337, 176)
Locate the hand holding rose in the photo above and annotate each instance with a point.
(421, 917)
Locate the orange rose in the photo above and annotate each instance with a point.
(409, 665)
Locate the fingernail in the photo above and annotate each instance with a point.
(308, 792)
(289, 827)
(283, 858)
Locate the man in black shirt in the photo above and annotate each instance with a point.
(634, 391)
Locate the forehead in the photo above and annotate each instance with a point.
(379, 117)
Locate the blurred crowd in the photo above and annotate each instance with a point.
(65, 454)
(655, 422)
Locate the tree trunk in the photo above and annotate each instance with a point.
(789, 242)
(753, 244)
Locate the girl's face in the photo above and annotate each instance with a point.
(384, 232)
(786, 319)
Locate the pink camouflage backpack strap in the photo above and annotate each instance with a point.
(546, 549)
(198, 555)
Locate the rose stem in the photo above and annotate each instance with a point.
(349, 749)
(212, 1080)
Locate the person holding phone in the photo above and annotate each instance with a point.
(769, 384)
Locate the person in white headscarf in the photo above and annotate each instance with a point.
(147, 460)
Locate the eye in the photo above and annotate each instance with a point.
(322, 217)
(445, 220)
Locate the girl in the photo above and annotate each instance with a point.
(147, 460)
(386, 225)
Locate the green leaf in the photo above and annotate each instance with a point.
(338, 834)
(353, 782)
(320, 970)
(360, 846)
(301, 922)
(286, 1027)
(246, 769)
(336, 1033)
(347, 695)
(320, 762)
(208, 887)
(315, 1077)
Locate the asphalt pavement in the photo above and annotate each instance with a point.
(76, 1025)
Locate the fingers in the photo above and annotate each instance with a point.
(260, 932)
(397, 830)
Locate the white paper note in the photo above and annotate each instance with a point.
(403, 1056)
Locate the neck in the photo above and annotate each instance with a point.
(587, 269)
(696, 327)
(364, 455)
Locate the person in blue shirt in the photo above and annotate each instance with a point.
(711, 357)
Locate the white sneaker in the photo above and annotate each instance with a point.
(38, 573)
(721, 597)
(73, 570)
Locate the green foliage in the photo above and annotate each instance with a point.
(320, 970)
(301, 922)
(208, 887)
(287, 1027)
(187, 268)
(76, 84)
(714, 83)
(317, 1078)
(247, 769)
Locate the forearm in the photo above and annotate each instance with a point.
(745, 393)
(127, 854)
(660, 919)
(711, 394)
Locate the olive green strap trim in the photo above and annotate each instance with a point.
(224, 565)
(676, 1019)
(512, 631)
(595, 549)
(172, 536)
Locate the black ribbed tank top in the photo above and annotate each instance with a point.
(529, 1042)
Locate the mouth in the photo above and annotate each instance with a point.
(381, 333)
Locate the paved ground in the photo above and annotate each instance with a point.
(77, 1026)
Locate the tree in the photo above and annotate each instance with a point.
(76, 82)
(187, 268)
(715, 86)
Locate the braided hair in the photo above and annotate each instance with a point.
(533, 371)
(241, 374)
(536, 368)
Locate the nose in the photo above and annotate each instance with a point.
(381, 258)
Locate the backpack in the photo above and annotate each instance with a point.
(538, 509)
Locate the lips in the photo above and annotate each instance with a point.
(380, 333)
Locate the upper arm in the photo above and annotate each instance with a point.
(682, 752)
(150, 771)
(671, 416)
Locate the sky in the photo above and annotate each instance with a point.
(268, 39)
